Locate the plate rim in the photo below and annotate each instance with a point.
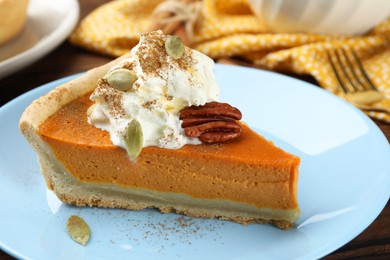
(45, 44)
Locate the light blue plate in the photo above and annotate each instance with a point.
(344, 183)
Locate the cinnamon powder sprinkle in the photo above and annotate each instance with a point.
(129, 65)
(112, 96)
(155, 60)
(150, 104)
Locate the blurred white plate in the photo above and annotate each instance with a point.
(48, 24)
(344, 183)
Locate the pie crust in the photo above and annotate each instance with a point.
(277, 187)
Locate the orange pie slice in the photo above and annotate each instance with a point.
(245, 180)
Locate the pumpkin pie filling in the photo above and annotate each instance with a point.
(245, 180)
(250, 170)
(220, 171)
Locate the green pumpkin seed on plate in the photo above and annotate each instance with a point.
(78, 229)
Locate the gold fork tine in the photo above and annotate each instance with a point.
(356, 82)
(362, 70)
(335, 71)
(353, 80)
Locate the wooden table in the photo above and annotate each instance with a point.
(67, 60)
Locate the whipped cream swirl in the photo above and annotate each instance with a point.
(163, 87)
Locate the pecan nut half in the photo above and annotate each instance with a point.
(213, 122)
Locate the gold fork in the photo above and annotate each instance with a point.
(353, 80)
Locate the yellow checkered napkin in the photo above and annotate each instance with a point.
(228, 28)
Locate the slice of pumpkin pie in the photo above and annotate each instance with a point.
(147, 131)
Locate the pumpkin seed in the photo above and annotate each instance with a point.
(133, 139)
(174, 46)
(78, 229)
(122, 79)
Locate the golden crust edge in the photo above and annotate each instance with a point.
(130, 205)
